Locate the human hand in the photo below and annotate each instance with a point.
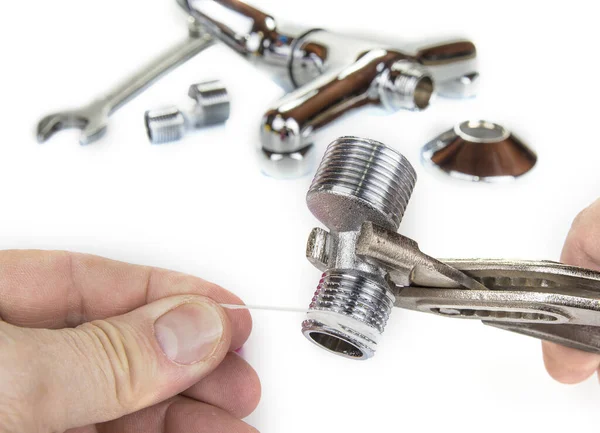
(582, 248)
(94, 345)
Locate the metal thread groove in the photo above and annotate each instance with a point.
(213, 94)
(213, 100)
(165, 125)
(356, 168)
(355, 296)
(370, 171)
(406, 85)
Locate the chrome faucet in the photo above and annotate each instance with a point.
(330, 74)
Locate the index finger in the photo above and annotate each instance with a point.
(58, 289)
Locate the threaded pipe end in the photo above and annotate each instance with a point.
(361, 180)
(165, 125)
(349, 313)
(213, 102)
(406, 85)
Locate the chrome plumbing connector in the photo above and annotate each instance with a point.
(358, 180)
(210, 106)
(360, 192)
(479, 151)
(405, 86)
(329, 75)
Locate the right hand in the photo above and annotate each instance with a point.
(582, 248)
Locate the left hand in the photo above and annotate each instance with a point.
(102, 346)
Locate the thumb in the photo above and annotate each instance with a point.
(106, 369)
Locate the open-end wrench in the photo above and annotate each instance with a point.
(92, 119)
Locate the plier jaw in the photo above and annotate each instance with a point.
(542, 299)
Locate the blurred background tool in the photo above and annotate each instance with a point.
(93, 118)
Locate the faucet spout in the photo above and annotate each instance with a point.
(236, 23)
(251, 32)
(389, 79)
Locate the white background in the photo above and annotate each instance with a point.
(201, 206)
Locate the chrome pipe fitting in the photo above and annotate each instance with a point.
(360, 192)
(405, 86)
(165, 124)
(359, 180)
(479, 151)
(348, 313)
(383, 78)
(333, 74)
(211, 106)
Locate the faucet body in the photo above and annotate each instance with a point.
(330, 74)
(376, 76)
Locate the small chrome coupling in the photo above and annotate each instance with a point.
(406, 85)
(359, 180)
(211, 106)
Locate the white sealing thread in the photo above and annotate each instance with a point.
(264, 308)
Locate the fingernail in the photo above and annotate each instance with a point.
(190, 333)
